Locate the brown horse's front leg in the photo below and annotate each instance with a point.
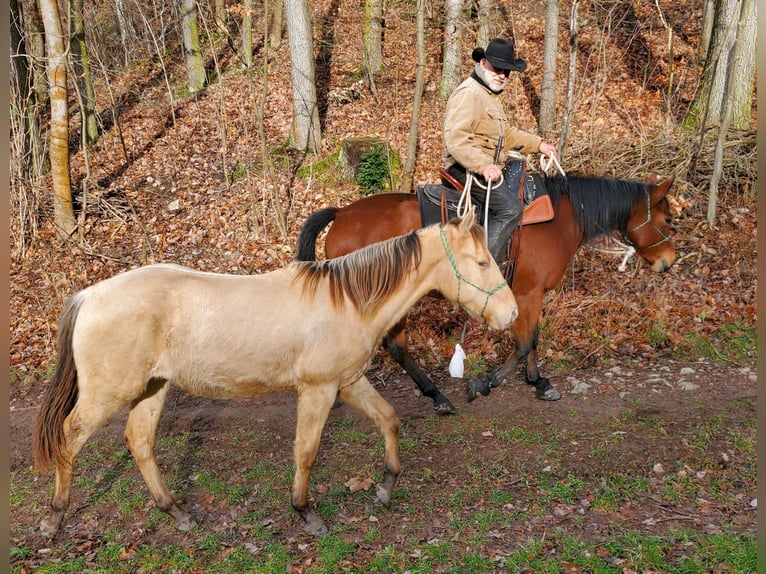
(314, 404)
(395, 342)
(544, 390)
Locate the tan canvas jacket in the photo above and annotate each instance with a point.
(473, 121)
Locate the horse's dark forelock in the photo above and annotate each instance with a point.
(365, 277)
(599, 205)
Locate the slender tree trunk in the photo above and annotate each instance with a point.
(127, 32)
(247, 32)
(548, 88)
(708, 104)
(306, 130)
(64, 220)
(373, 37)
(742, 51)
(83, 76)
(20, 88)
(412, 145)
(35, 36)
(220, 15)
(483, 12)
(708, 16)
(195, 67)
(574, 31)
(275, 24)
(743, 68)
(452, 66)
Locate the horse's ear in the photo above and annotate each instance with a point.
(662, 189)
(468, 220)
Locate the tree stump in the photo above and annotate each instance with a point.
(351, 150)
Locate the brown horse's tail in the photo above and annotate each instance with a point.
(48, 443)
(310, 230)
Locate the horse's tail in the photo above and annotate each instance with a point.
(310, 230)
(48, 442)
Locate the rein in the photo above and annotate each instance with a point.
(461, 279)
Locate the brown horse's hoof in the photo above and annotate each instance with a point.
(545, 391)
(443, 406)
(476, 388)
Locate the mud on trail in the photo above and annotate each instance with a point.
(631, 446)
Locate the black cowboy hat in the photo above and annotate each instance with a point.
(501, 55)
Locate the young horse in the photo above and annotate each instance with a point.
(585, 208)
(311, 327)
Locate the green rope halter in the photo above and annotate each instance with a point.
(664, 237)
(461, 279)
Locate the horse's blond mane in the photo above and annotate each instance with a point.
(365, 277)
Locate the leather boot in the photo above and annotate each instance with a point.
(498, 235)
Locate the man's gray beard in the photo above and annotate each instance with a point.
(480, 72)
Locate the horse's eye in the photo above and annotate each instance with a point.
(483, 263)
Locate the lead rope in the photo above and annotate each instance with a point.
(459, 355)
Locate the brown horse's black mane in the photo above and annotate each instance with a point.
(599, 205)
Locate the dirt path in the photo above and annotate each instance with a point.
(670, 424)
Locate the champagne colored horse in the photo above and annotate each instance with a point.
(309, 327)
(584, 207)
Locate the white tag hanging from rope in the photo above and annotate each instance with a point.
(456, 367)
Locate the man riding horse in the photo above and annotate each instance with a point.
(477, 133)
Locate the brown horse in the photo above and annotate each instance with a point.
(585, 208)
(309, 327)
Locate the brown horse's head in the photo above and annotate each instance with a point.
(649, 227)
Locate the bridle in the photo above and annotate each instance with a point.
(461, 279)
(647, 222)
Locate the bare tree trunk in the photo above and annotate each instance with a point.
(247, 32)
(306, 130)
(373, 37)
(275, 24)
(412, 145)
(220, 15)
(743, 67)
(483, 12)
(548, 88)
(83, 76)
(64, 220)
(708, 104)
(574, 30)
(35, 36)
(708, 16)
(195, 67)
(127, 33)
(452, 66)
(741, 52)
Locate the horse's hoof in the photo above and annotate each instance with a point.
(49, 525)
(186, 524)
(476, 388)
(546, 391)
(383, 494)
(315, 526)
(443, 406)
